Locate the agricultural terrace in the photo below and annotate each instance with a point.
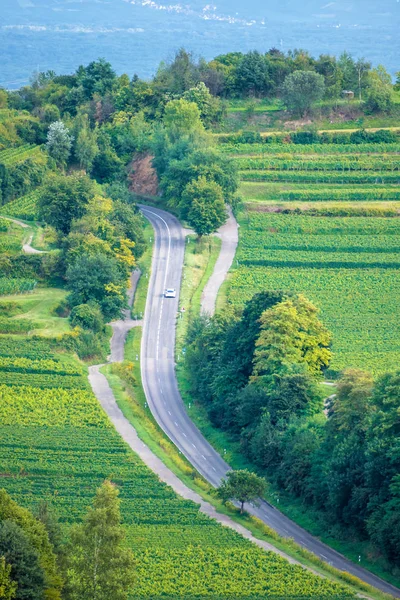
(323, 219)
(57, 444)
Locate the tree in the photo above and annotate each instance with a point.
(301, 90)
(97, 278)
(379, 91)
(252, 74)
(362, 69)
(8, 588)
(34, 538)
(63, 199)
(242, 486)
(182, 118)
(59, 142)
(100, 565)
(19, 552)
(207, 209)
(208, 105)
(204, 162)
(97, 78)
(291, 335)
(86, 148)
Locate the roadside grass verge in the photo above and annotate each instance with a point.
(199, 262)
(144, 265)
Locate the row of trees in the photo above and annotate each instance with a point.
(37, 562)
(195, 179)
(97, 94)
(257, 377)
(100, 235)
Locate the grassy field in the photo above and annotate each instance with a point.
(270, 115)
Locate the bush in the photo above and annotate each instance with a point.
(87, 316)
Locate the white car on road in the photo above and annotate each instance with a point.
(170, 293)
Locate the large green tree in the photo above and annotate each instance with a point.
(26, 571)
(101, 567)
(206, 211)
(63, 199)
(242, 486)
(97, 278)
(301, 90)
(59, 142)
(291, 334)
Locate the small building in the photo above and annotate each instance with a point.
(348, 94)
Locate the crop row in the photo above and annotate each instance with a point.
(335, 177)
(260, 225)
(17, 285)
(323, 163)
(24, 207)
(29, 348)
(17, 326)
(295, 149)
(12, 156)
(43, 381)
(27, 365)
(321, 193)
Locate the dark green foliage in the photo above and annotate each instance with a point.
(33, 550)
(252, 75)
(242, 486)
(206, 209)
(87, 316)
(24, 560)
(97, 78)
(128, 223)
(302, 89)
(63, 199)
(98, 278)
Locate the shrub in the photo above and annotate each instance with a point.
(87, 316)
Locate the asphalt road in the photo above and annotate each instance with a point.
(165, 402)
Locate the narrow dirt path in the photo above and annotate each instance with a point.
(229, 234)
(26, 247)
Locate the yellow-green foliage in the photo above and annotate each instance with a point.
(37, 535)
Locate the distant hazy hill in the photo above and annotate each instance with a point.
(136, 34)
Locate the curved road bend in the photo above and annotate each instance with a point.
(165, 402)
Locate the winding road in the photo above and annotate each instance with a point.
(165, 402)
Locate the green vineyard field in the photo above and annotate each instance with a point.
(58, 444)
(347, 266)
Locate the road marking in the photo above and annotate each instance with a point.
(324, 557)
(184, 434)
(176, 423)
(193, 446)
(169, 414)
(214, 469)
(203, 457)
(165, 277)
